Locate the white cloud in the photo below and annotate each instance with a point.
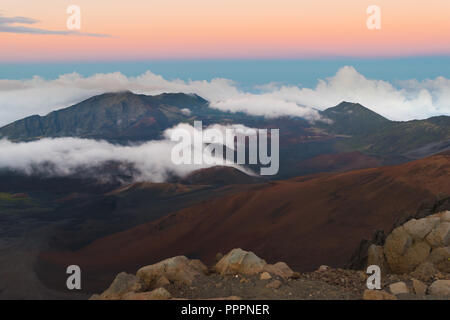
(407, 100)
(404, 100)
(186, 111)
(66, 156)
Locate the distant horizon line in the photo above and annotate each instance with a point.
(243, 59)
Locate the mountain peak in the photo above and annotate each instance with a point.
(120, 115)
(354, 118)
(351, 107)
(219, 175)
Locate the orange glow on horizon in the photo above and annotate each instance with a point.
(228, 29)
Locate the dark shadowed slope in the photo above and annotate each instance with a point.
(220, 175)
(116, 116)
(307, 221)
(69, 213)
(338, 162)
(353, 118)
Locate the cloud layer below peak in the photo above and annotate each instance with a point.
(149, 161)
(405, 100)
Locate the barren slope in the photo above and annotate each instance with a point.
(306, 222)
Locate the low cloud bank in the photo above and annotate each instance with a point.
(405, 100)
(151, 161)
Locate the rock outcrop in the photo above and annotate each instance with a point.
(440, 287)
(242, 274)
(359, 259)
(419, 246)
(150, 281)
(398, 288)
(123, 284)
(419, 287)
(178, 270)
(239, 261)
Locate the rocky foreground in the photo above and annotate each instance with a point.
(415, 264)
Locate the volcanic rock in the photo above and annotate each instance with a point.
(177, 269)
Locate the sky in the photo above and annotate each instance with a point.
(221, 29)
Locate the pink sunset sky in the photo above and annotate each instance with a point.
(160, 29)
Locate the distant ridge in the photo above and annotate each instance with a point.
(353, 118)
(120, 115)
(123, 117)
(219, 175)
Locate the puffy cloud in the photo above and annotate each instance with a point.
(151, 161)
(266, 104)
(407, 100)
(404, 100)
(38, 96)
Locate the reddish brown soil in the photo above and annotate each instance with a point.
(339, 162)
(219, 175)
(306, 222)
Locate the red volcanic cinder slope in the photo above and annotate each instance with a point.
(338, 162)
(306, 221)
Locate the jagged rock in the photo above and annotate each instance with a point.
(375, 256)
(440, 257)
(359, 258)
(280, 269)
(275, 284)
(265, 276)
(179, 270)
(398, 288)
(440, 287)
(419, 229)
(416, 254)
(419, 247)
(157, 294)
(323, 268)
(122, 284)
(198, 265)
(378, 295)
(445, 216)
(425, 271)
(219, 256)
(240, 261)
(438, 209)
(395, 247)
(420, 288)
(440, 236)
(244, 280)
(162, 282)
